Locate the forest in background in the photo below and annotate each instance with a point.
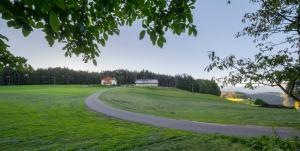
(59, 75)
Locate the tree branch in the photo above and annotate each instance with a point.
(279, 14)
(287, 92)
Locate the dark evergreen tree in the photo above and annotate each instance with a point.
(186, 82)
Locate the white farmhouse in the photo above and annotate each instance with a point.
(146, 82)
(108, 81)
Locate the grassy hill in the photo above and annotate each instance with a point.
(235, 94)
(273, 98)
(55, 118)
(174, 103)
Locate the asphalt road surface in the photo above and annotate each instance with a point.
(94, 103)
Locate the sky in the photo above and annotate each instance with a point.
(216, 21)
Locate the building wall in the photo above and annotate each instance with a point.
(111, 82)
(104, 82)
(147, 84)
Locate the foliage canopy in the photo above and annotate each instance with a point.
(84, 24)
(275, 27)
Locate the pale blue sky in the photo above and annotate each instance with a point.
(216, 22)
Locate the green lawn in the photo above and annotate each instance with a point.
(174, 103)
(55, 118)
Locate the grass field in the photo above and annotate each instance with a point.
(174, 103)
(55, 118)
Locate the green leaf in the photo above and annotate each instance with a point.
(50, 40)
(177, 29)
(11, 23)
(190, 18)
(54, 22)
(153, 37)
(160, 42)
(142, 34)
(105, 36)
(195, 32)
(28, 2)
(102, 42)
(3, 37)
(39, 25)
(66, 54)
(6, 15)
(190, 31)
(94, 62)
(163, 39)
(26, 31)
(59, 3)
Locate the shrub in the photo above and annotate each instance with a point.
(266, 143)
(260, 102)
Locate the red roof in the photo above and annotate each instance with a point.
(107, 78)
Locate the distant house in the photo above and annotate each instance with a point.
(146, 82)
(108, 81)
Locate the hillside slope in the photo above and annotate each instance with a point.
(273, 98)
(178, 104)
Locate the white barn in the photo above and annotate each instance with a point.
(146, 82)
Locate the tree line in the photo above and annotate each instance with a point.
(9, 76)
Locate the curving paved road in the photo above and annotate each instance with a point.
(93, 103)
